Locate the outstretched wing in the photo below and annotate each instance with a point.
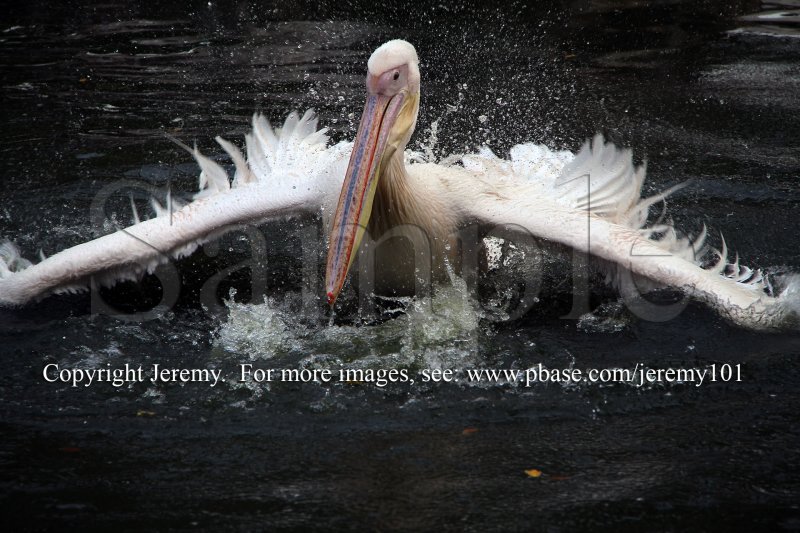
(286, 172)
(593, 203)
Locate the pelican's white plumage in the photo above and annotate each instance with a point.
(393, 53)
(590, 201)
(287, 172)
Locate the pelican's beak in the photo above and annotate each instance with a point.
(374, 145)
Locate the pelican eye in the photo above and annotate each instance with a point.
(396, 75)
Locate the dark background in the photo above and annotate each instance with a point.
(702, 90)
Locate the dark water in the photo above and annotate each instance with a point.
(89, 93)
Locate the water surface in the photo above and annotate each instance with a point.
(707, 92)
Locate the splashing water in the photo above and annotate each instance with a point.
(259, 330)
(442, 331)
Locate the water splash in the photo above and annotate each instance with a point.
(441, 331)
(261, 331)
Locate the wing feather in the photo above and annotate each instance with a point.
(268, 185)
(595, 206)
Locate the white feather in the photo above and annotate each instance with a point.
(591, 202)
(287, 172)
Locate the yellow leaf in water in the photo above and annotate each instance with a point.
(533, 472)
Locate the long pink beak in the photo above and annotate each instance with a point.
(358, 190)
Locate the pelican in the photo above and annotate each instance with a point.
(374, 188)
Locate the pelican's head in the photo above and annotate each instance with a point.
(387, 123)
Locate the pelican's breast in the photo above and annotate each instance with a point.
(410, 231)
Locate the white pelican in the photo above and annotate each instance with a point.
(590, 202)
